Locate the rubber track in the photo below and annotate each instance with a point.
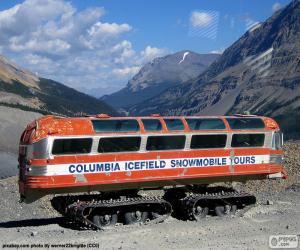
(76, 210)
(191, 199)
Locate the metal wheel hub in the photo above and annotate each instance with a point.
(106, 219)
(198, 210)
(227, 209)
(138, 215)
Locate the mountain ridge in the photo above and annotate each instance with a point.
(22, 89)
(9, 72)
(158, 75)
(260, 73)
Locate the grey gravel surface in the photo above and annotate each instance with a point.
(9, 163)
(12, 124)
(277, 212)
(35, 224)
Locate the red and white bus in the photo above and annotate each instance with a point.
(103, 153)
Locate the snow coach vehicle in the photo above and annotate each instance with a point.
(96, 166)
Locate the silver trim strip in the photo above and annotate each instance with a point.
(96, 138)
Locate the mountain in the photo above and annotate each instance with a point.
(22, 89)
(259, 73)
(160, 74)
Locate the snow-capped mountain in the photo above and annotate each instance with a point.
(160, 74)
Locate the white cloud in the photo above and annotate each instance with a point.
(123, 51)
(204, 23)
(41, 64)
(55, 46)
(125, 72)
(149, 53)
(25, 18)
(108, 29)
(276, 6)
(100, 33)
(201, 19)
(77, 48)
(217, 51)
(6, 16)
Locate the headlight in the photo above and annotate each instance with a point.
(276, 159)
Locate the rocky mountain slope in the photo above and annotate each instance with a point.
(160, 74)
(10, 72)
(22, 89)
(259, 73)
(12, 123)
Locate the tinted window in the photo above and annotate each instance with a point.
(115, 125)
(165, 142)
(119, 144)
(248, 140)
(152, 124)
(245, 123)
(72, 146)
(208, 141)
(174, 124)
(202, 124)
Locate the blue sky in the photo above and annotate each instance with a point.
(166, 23)
(97, 46)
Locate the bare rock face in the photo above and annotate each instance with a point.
(160, 74)
(259, 73)
(10, 72)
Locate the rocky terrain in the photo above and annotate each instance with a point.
(12, 123)
(10, 72)
(160, 74)
(259, 73)
(277, 212)
(9, 163)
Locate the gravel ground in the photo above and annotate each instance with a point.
(9, 163)
(12, 124)
(37, 223)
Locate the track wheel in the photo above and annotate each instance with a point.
(105, 220)
(199, 212)
(135, 217)
(155, 215)
(223, 210)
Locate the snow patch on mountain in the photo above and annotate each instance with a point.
(184, 56)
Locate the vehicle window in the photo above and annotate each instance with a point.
(165, 142)
(152, 124)
(208, 141)
(248, 140)
(245, 123)
(277, 140)
(202, 124)
(72, 146)
(129, 125)
(119, 144)
(174, 124)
